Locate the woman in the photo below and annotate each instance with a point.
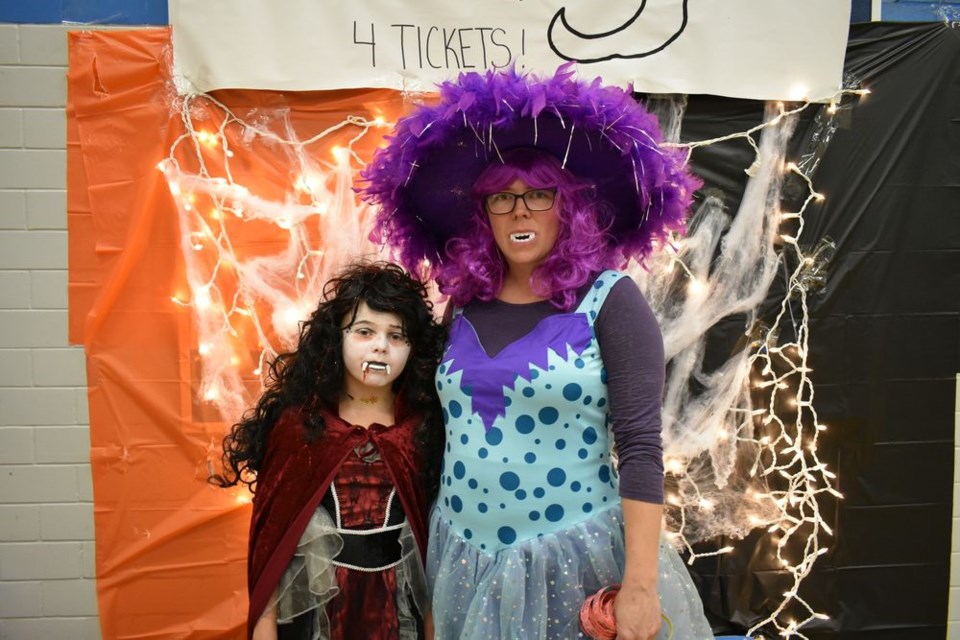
(518, 194)
(342, 450)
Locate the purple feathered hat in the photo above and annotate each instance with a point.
(421, 179)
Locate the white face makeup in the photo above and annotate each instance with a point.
(524, 237)
(375, 350)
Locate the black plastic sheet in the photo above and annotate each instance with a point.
(885, 339)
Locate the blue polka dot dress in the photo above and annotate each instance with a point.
(528, 520)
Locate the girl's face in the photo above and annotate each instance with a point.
(525, 237)
(375, 349)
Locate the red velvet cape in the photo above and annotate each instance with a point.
(294, 477)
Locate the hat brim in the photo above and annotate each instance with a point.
(422, 179)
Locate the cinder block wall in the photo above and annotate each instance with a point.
(46, 500)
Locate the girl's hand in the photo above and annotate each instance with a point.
(266, 628)
(428, 626)
(637, 613)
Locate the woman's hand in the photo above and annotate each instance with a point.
(637, 612)
(428, 626)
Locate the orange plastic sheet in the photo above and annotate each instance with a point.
(171, 548)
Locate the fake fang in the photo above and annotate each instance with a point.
(375, 367)
(526, 236)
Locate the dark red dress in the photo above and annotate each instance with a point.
(364, 479)
(364, 500)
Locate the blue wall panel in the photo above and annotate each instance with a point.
(41, 11)
(918, 11)
(860, 11)
(133, 12)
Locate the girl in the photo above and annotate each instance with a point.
(342, 453)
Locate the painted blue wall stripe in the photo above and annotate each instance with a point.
(154, 12)
(132, 12)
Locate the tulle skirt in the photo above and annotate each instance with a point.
(313, 580)
(535, 588)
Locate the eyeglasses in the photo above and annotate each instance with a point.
(504, 202)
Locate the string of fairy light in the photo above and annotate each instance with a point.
(790, 452)
(243, 321)
(238, 305)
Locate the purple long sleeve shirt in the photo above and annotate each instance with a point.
(632, 350)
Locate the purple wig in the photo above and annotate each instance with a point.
(474, 268)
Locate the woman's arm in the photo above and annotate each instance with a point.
(631, 346)
(637, 606)
(632, 350)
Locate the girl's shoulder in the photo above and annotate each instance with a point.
(288, 428)
(292, 429)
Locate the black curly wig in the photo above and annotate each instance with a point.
(312, 376)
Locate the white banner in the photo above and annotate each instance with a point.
(762, 49)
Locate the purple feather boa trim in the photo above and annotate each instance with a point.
(421, 179)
